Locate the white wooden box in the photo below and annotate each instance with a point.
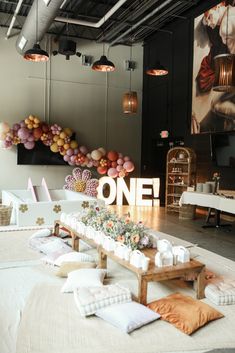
(27, 212)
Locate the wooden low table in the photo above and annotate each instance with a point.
(154, 274)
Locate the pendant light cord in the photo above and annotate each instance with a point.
(36, 21)
(226, 38)
(130, 64)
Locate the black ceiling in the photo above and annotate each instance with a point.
(133, 22)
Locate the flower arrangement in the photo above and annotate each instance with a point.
(59, 140)
(121, 229)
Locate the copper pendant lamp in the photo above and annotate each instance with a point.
(103, 65)
(224, 68)
(157, 70)
(130, 99)
(36, 54)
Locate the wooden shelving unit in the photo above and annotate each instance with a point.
(180, 173)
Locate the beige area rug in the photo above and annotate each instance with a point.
(57, 315)
(51, 323)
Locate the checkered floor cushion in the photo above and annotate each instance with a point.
(221, 293)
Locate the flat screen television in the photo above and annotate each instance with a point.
(39, 155)
(223, 149)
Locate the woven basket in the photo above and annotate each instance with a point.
(5, 215)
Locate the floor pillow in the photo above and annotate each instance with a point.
(74, 256)
(185, 313)
(67, 267)
(127, 316)
(91, 299)
(221, 293)
(84, 277)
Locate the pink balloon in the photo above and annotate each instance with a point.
(95, 163)
(73, 158)
(29, 145)
(16, 127)
(31, 138)
(8, 138)
(89, 164)
(120, 161)
(119, 168)
(69, 152)
(71, 163)
(126, 158)
(76, 150)
(22, 123)
(129, 166)
(23, 133)
(66, 158)
(112, 172)
(83, 149)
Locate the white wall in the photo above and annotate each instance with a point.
(74, 96)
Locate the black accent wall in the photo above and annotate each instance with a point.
(167, 103)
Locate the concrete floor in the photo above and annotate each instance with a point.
(220, 241)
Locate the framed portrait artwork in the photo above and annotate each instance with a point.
(214, 34)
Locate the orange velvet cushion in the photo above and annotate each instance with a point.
(185, 313)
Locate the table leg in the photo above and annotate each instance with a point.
(102, 259)
(217, 223)
(75, 241)
(142, 290)
(201, 282)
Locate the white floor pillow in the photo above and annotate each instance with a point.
(127, 316)
(53, 245)
(41, 233)
(221, 293)
(85, 277)
(91, 299)
(74, 256)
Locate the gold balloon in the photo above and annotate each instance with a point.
(56, 138)
(68, 131)
(63, 135)
(73, 144)
(60, 142)
(54, 147)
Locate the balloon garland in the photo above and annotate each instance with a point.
(59, 140)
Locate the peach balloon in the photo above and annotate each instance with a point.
(102, 150)
(4, 127)
(96, 155)
(2, 135)
(102, 170)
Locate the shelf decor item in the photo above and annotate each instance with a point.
(180, 174)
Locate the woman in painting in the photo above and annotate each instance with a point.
(219, 23)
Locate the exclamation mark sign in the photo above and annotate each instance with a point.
(156, 188)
